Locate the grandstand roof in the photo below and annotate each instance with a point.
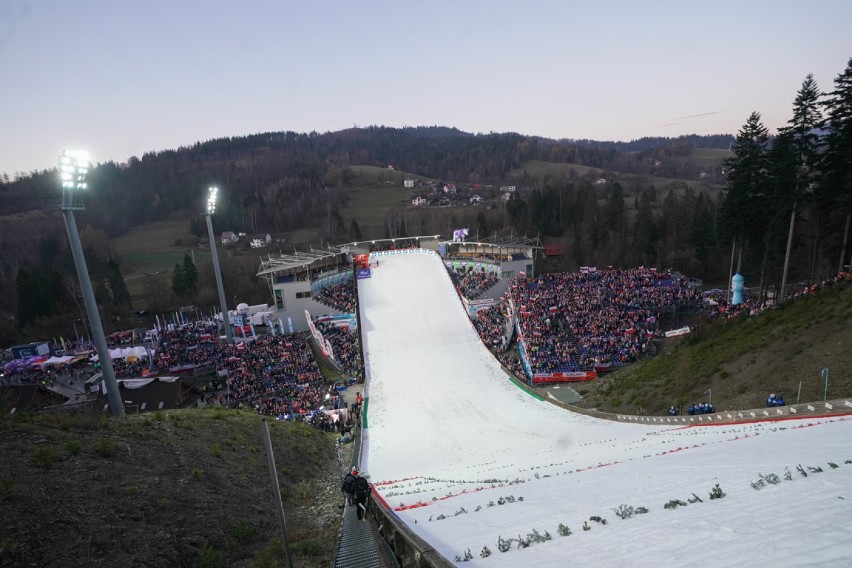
(504, 241)
(296, 260)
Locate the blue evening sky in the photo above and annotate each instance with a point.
(120, 78)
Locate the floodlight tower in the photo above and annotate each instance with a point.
(211, 208)
(73, 167)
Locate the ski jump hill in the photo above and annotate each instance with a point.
(480, 469)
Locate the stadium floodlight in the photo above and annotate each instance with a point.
(73, 168)
(211, 200)
(211, 209)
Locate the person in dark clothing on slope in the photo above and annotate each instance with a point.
(349, 485)
(362, 492)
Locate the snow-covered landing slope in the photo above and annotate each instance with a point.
(449, 438)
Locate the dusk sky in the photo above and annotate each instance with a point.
(121, 78)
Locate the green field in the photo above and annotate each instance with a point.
(374, 192)
(539, 168)
(153, 250)
(706, 157)
(157, 236)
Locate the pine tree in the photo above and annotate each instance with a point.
(703, 237)
(645, 233)
(120, 295)
(197, 227)
(34, 297)
(615, 214)
(834, 189)
(190, 275)
(481, 225)
(746, 174)
(354, 231)
(781, 191)
(802, 131)
(178, 281)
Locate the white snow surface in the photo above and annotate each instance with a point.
(448, 431)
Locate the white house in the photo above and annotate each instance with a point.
(450, 188)
(229, 237)
(261, 241)
(419, 200)
(475, 198)
(600, 181)
(408, 183)
(508, 188)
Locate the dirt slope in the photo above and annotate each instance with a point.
(177, 488)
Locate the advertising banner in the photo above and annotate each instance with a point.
(324, 344)
(363, 273)
(569, 377)
(677, 332)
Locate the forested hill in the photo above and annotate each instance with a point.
(287, 182)
(266, 171)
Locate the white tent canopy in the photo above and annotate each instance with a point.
(124, 353)
(56, 360)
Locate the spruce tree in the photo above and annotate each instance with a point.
(190, 275)
(802, 130)
(741, 212)
(120, 295)
(34, 295)
(481, 225)
(178, 281)
(781, 191)
(354, 231)
(834, 189)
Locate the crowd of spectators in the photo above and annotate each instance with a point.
(701, 408)
(578, 321)
(484, 256)
(491, 326)
(195, 344)
(37, 374)
(126, 369)
(32, 376)
(340, 296)
(716, 301)
(275, 374)
(471, 282)
(394, 244)
(344, 342)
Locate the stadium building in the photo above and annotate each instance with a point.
(295, 279)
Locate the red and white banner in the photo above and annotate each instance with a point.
(324, 344)
(569, 377)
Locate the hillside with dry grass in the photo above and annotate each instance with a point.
(742, 361)
(176, 488)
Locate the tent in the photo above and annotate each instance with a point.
(57, 361)
(126, 353)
